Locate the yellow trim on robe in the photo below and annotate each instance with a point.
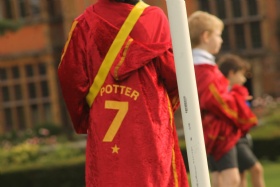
(174, 169)
(245, 121)
(175, 174)
(122, 58)
(74, 24)
(220, 100)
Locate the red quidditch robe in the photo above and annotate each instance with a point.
(225, 115)
(139, 94)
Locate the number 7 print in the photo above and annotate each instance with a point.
(122, 108)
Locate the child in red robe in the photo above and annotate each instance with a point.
(234, 69)
(128, 118)
(225, 115)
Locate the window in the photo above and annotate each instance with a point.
(44, 88)
(32, 90)
(239, 36)
(204, 5)
(3, 74)
(42, 69)
(20, 117)
(236, 8)
(34, 114)
(22, 8)
(15, 72)
(221, 9)
(1, 13)
(47, 111)
(225, 36)
(35, 7)
(24, 95)
(29, 70)
(52, 8)
(18, 93)
(242, 21)
(256, 34)
(5, 93)
(7, 9)
(252, 7)
(8, 118)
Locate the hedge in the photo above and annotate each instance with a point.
(267, 148)
(73, 175)
(62, 176)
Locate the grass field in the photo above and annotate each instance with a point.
(271, 174)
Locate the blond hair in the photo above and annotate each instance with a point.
(199, 22)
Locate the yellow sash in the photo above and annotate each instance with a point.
(114, 50)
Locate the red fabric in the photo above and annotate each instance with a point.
(144, 151)
(225, 114)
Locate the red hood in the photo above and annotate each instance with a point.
(144, 46)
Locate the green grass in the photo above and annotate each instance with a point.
(271, 174)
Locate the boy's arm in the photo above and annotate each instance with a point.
(73, 78)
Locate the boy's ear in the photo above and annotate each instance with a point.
(205, 36)
(231, 73)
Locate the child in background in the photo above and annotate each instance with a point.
(234, 69)
(225, 115)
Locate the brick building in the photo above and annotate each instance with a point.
(29, 56)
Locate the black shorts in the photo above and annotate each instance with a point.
(245, 155)
(229, 160)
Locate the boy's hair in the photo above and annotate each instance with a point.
(230, 62)
(201, 21)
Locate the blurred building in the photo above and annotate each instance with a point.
(29, 56)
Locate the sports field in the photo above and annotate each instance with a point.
(271, 174)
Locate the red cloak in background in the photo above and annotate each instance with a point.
(225, 115)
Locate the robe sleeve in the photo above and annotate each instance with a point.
(166, 67)
(227, 105)
(73, 76)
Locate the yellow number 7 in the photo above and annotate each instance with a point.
(122, 108)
